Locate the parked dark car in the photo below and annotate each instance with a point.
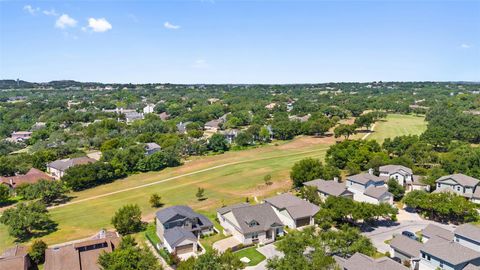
(410, 235)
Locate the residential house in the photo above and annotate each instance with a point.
(300, 118)
(133, 116)
(39, 125)
(293, 211)
(15, 258)
(360, 261)
(151, 148)
(460, 184)
(179, 228)
(58, 168)
(468, 235)
(270, 106)
(367, 187)
(230, 135)
(164, 116)
(251, 224)
(20, 136)
(441, 253)
(330, 188)
(404, 176)
(407, 250)
(31, 177)
(433, 230)
(149, 108)
(214, 125)
(182, 127)
(81, 255)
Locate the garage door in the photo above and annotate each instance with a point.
(184, 249)
(303, 222)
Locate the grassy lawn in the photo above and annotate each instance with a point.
(251, 253)
(398, 125)
(227, 178)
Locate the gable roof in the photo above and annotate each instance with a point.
(152, 146)
(32, 176)
(296, 207)
(449, 251)
(391, 169)
(261, 214)
(77, 256)
(64, 164)
(433, 230)
(406, 245)
(461, 179)
(177, 235)
(417, 180)
(166, 214)
(329, 187)
(15, 258)
(364, 178)
(470, 267)
(468, 231)
(362, 262)
(377, 192)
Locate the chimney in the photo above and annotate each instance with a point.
(370, 171)
(335, 179)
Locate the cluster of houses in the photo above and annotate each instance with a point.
(77, 255)
(439, 248)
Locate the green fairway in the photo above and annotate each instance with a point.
(227, 178)
(398, 125)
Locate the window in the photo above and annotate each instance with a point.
(254, 236)
(441, 265)
(458, 188)
(428, 257)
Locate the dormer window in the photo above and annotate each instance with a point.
(253, 223)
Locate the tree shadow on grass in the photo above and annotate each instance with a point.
(47, 228)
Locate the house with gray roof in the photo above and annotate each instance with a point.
(330, 188)
(433, 230)
(460, 184)
(151, 148)
(367, 187)
(182, 127)
(441, 253)
(404, 177)
(58, 168)
(360, 261)
(293, 211)
(179, 228)
(133, 116)
(406, 249)
(214, 124)
(251, 224)
(468, 235)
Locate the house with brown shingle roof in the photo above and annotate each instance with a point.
(15, 258)
(81, 255)
(31, 177)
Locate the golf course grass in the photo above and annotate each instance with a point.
(227, 178)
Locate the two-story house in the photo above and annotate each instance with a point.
(404, 176)
(330, 188)
(251, 224)
(359, 261)
(460, 184)
(179, 228)
(293, 211)
(367, 187)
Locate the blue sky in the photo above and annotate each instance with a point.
(240, 41)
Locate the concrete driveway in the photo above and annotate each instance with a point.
(269, 251)
(225, 244)
(406, 222)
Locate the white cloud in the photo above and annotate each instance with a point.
(30, 9)
(65, 21)
(465, 46)
(99, 25)
(50, 12)
(200, 64)
(168, 25)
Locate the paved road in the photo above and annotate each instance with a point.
(406, 222)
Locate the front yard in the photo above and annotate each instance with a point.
(252, 254)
